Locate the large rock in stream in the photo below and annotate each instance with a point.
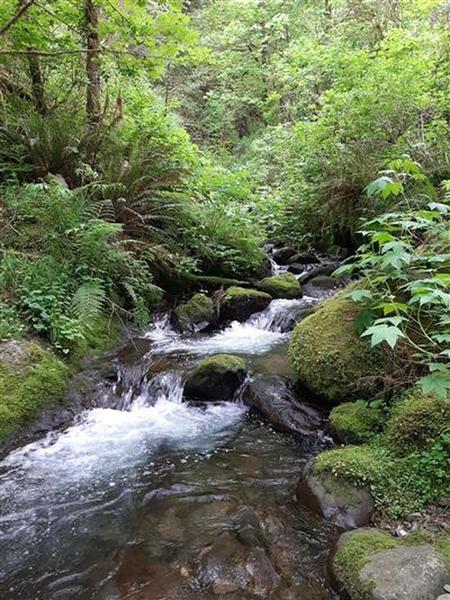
(271, 397)
(330, 358)
(239, 304)
(370, 564)
(216, 378)
(194, 315)
(32, 379)
(284, 285)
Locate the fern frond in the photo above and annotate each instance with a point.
(89, 300)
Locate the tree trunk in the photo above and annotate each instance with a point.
(93, 89)
(37, 84)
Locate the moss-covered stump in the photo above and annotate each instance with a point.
(284, 285)
(330, 358)
(194, 315)
(342, 503)
(355, 422)
(238, 304)
(372, 565)
(216, 378)
(31, 378)
(416, 420)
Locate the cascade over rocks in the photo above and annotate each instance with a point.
(345, 505)
(238, 304)
(370, 564)
(216, 378)
(270, 396)
(284, 285)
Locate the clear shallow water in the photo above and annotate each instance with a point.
(164, 500)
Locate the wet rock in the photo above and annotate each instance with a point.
(195, 315)
(271, 397)
(284, 285)
(282, 255)
(345, 505)
(296, 268)
(322, 282)
(373, 565)
(304, 259)
(322, 269)
(238, 304)
(216, 378)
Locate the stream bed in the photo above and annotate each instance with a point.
(146, 497)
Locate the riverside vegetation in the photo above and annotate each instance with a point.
(152, 152)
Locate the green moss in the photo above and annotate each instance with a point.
(398, 484)
(38, 384)
(281, 286)
(198, 309)
(239, 292)
(355, 422)
(417, 420)
(102, 336)
(330, 358)
(225, 362)
(354, 554)
(443, 546)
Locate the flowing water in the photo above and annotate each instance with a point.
(147, 497)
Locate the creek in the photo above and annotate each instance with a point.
(144, 496)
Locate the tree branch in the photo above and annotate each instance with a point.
(16, 17)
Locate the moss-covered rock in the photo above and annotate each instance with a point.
(343, 503)
(417, 419)
(372, 565)
(330, 358)
(195, 314)
(216, 378)
(238, 304)
(355, 422)
(353, 553)
(31, 378)
(284, 285)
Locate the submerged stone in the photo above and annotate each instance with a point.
(216, 378)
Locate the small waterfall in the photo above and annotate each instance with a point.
(282, 315)
(277, 269)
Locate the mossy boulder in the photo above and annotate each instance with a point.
(343, 503)
(31, 378)
(417, 419)
(216, 378)
(355, 422)
(284, 285)
(194, 315)
(238, 304)
(330, 358)
(372, 565)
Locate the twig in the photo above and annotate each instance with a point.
(16, 17)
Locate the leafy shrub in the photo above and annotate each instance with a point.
(404, 275)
